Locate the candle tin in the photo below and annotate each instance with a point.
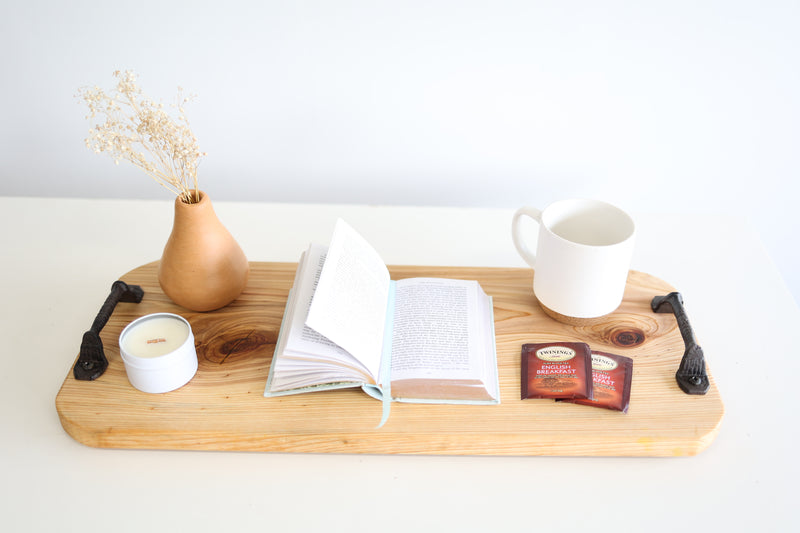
(158, 352)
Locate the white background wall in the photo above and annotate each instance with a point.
(656, 106)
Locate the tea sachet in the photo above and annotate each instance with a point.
(558, 370)
(611, 378)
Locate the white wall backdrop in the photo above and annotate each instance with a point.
(656, 106)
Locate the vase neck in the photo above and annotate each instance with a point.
(193, 195)
(195, 213)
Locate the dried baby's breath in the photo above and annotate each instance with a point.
(139, 130)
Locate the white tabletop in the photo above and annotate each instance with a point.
(61, 256)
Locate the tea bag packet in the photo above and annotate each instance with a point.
(611, 376)
(558, 370)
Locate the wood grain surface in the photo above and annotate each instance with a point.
(223, 407)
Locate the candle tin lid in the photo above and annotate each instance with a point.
(158, 352)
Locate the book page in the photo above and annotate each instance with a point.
(302, 338)
(440, 337)
(304, 357)
(349, 305)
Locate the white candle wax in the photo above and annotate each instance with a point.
(158, 352)
(155, 336)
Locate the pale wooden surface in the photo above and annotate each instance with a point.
(223, 407)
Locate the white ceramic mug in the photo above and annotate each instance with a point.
(582, 257)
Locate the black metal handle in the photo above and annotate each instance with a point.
(691, 375)
(92, 361)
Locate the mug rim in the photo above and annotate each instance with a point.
(630, 230)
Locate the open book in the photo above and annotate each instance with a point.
(346, 324)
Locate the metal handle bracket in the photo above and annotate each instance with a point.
(691, 375)
(92, 360)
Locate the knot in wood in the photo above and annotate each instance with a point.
(627, 338)
(236, 345)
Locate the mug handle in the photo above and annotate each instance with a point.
(519, 242)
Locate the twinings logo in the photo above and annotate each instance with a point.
(601, 362)
(555, 353)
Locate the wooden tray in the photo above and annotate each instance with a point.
(223, 407)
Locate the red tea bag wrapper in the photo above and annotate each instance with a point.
(556, 370)
(611, 375)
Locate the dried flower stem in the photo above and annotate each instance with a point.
(139, 130)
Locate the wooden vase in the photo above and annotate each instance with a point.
(203, 267)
